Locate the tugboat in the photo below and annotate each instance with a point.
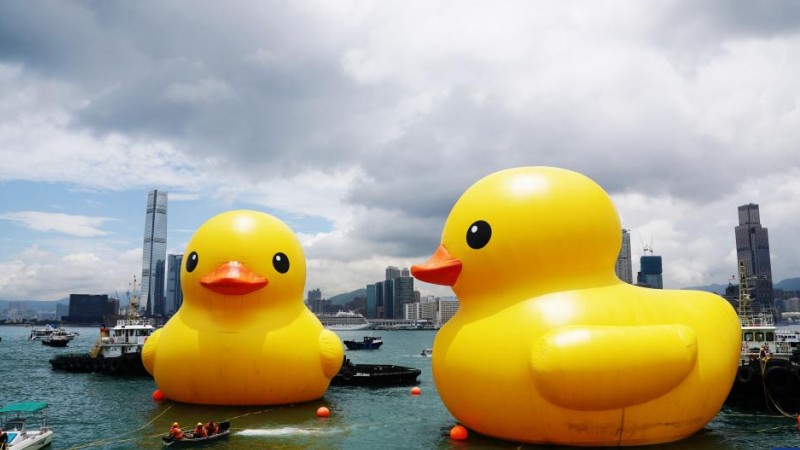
(55, 340)
(117, 351)
(374, 375)
(768, 377)
(367, 343)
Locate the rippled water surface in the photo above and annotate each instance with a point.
(101, 411)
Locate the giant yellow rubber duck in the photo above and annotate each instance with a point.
(243, 335)
(548, 345)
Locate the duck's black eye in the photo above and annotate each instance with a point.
(478, 234)
(280, 262)
(191, 261)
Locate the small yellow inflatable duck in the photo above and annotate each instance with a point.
(243, 335)
(548, 345)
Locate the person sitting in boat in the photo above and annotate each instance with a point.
(211, 427)
(4, 438)
(175, 431)
(199, 431)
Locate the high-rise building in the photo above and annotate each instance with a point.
(752, 248)
(154, 254)
(403, 295)
(393, 272)
(387, 299)
(372, 303)
(88, 308)
(379, 308)
(650, 272)
(624, 267)
(174, 297)
(315, 301)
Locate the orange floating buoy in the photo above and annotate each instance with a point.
(158, 395)
(458, 433)
(323, 412)
(416, 390)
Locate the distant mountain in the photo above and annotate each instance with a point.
(789, 284)
(715, 288)
(341, 299)
(45, 305)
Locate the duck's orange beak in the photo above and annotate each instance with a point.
(442, 268)
(233, 278)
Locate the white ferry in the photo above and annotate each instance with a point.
(49, 330)
(345, 321)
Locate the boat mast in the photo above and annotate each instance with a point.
(744, 292)
(133, 302)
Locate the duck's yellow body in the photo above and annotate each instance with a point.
(548, 345)
(243, 335)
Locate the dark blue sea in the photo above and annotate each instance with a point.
(94, 411)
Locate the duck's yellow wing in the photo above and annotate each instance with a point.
(331, 353)
(149, 350)
(599, 368)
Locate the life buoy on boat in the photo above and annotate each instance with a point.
(745, 374)
(778, 379)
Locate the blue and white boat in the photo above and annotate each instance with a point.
(15, 418)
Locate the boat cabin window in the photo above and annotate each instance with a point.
(760, 336)
(748, 337)
(770, 336)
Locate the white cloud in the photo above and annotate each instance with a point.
(81, 226)
(36, 274)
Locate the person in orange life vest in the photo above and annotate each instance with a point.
(175, 431)
(199, 431)
(211, 428)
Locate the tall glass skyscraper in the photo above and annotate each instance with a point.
(752, 248)
(154, 254)
(174, 292)
(624, 267)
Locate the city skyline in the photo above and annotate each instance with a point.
(360, 125)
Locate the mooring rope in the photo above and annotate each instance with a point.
(116, 439)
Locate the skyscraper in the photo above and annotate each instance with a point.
(154, 254)
(752, 248)
(624, 267)
(174, 297)
(650, 272)
(403, 295)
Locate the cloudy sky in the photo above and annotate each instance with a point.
(359, 123)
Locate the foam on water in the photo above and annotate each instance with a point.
(288, 431)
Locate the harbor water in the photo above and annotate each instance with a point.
(106, 412)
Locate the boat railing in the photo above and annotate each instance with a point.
(134, 322)
(757, 321)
